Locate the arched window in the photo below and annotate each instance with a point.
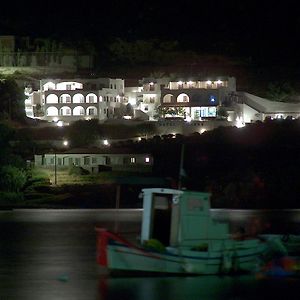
(91, 98)
(65, 98)
(52, 111)
(183, 98)
(78, 98)
(52, 98)
(168, 98)
(78, 111)
(91, 111)
(65, 111)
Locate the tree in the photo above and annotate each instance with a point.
(222, 113)
(12, 99)
(83, 133)
(173, 111)
(146, 129)
(280, 91)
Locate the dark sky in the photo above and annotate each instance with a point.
(269, 30)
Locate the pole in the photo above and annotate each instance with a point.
(55, 171)
(181, 167)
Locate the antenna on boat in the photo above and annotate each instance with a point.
(181, 170)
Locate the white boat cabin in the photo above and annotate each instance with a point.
(179, 218)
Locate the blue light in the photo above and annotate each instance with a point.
(212, 98)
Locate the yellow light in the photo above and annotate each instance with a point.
(208, 82)
(202, 130)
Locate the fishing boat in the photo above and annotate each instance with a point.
(290, 241)
(179, 236)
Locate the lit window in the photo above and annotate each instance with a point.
(132, 160)
(147, 159)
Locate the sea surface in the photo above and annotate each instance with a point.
(51, 255)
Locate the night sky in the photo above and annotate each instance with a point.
(269, 31)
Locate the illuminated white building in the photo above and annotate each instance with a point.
(250, 108)
(65, 101)
(195, 99)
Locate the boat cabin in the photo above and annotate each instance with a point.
(179, 218)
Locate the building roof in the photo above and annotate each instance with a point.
(107, 150)
(267, 106)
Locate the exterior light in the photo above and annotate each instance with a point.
(132, 101)
(105, 142)
(219, 81)
(60, 123)
(188, 119)
(147, 159)
(239, 122)
(127, 117)
(278, 116)
(208, 82)
(151, 83)
(65, 143)
(202, 130)
(179, 82)
(139, 138)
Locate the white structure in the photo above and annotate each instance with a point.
(65, 101)
(95, 161)
(192, 100)
(195, 98)
(250, 108)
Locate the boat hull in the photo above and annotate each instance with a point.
(118, 254)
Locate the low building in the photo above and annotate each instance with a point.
(96, 160)
(251, 108)
(41, 56)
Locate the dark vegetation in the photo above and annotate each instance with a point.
(251, 167)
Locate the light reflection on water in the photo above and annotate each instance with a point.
(50, 254)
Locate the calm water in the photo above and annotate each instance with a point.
(50, 254)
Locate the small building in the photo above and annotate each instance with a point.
(96, 160)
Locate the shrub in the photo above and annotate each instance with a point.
(8, 198)
(12, 179)
(75, 170)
